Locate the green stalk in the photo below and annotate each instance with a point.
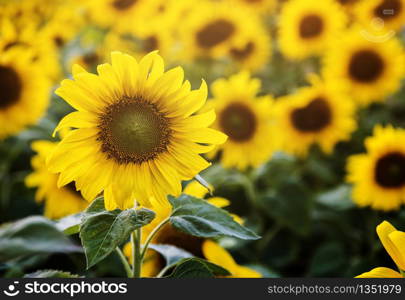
(136, 253)
(124, 261)
(152, 234)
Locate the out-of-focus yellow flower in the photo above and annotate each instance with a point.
(25, 91)
(218, 255)
(319, 114)
(137, 135)
(307, 27)
(210, 29)
(261, 6)
(378, 176)
(369, 71)
(255, 52)
(390, 12)
(59, 202)
(394, 243)
(245, 118)
(115, 13)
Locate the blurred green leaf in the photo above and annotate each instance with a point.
(290, 205)
(329, 260)
(32, 235)
(199, 218)
(197, 268)
(171, 254)
(70, 224)
(339, 198)
(101, 231)
(51, 274)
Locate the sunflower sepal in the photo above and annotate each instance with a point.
(102, 231)
(198, 217)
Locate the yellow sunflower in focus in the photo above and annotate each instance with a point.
(210, 28)
(115, 13)
(196, 246)
(393, 241)
(391, 12)
(255, 52)
(378, 176)
(59, 202)
(319, 114)
(370, 71)
(307, 27)
(138, 135)
(245, 118)
(25, 91)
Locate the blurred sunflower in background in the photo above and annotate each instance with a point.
(307, 27)
(59, 202)
(378, 176)
(135, 125)
(370, 71)
(319, 114)
(390, 12)
(245, 118)
(24, 90)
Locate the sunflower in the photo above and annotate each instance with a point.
(24, 90)
(59, 202)
(261, 6)
(115, 13)
(318, 114)
(394, 243)
(218, 255)
(307, 27)
(391, 12)
(370, 71)
(137, 132)
(211, 28)
(168, 235)
(245, 118)
(255, 52)
(378, 176)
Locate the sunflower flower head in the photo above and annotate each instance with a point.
(137, 134)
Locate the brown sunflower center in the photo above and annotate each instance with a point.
(133, 131)
(347, 2)
(388, 9)
(59, 41)
(253, 1)
(91, 59)
(123, 4)
(238, 121)
(390, 170)
(151, 43)
(10, 87)
(171, 236)
(215, 33)
(366, 66)
(241, 54)
(311, 26)
(312, 118)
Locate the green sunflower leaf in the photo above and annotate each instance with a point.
(101, 231)
(51, 274)
(199, 218)
(31, 236)
(197, 268)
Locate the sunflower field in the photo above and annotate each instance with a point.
(206, 138)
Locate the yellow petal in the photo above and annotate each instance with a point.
(207, 135)
(380, 273)
(219, 201)
(218, 255)
(398, 240)
(384, 230)
(77, 119)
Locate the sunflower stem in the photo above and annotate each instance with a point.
(136, 253)
(152, 234)
(124, 261)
